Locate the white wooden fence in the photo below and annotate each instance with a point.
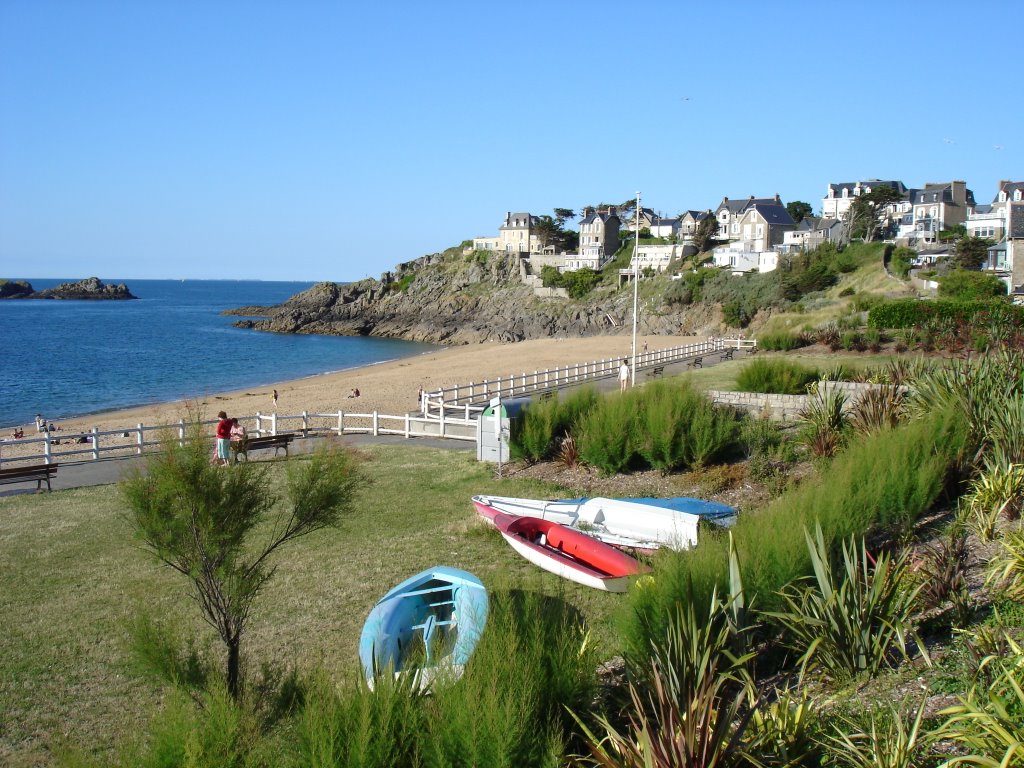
(474, 396)
(52, 447)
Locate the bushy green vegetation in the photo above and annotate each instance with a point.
(884, 482)
(907, 313)
(775, 376)
(577, 283)
(961, 285)
(901, 261)
(781, 341)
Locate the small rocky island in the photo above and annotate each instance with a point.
(90, 289)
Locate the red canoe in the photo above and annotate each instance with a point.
(568, 553)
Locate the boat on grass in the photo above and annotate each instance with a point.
(644, 524)
(568, 553)
(427, 626)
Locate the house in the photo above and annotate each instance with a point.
(935, 208)
(655, 257)
(667, 228)
(599, 240)
(647, 218)
(763, 225)
(1015, 245)
(739, 256)
(1003, 221)
(810, 233)
(689, 220)
(728, 212)
(839, 197)
(517, 234)
(990, 220)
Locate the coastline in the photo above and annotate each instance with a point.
(389, 387)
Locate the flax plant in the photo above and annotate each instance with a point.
(824, 422)
(848, 622)
(888, 742)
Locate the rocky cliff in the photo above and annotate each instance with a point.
(89, 289)
(453, 298)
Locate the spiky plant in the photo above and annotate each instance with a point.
(849, 619)
(878, 408)
(1006, 568)
(888, 741)
(997, 492)
(824, 421)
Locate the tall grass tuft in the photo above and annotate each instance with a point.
(885, 481)
(509, 708)
(678, 427)
(538, 433)
(606, 436)
(775, 377)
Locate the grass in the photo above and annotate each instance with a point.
(722, 376)
(74, 578)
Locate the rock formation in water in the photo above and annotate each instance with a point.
(15, 289)
(457, 298)
(92, 288)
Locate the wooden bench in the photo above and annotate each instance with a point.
(277, 442)
(656, 371)
(727, 354)
(545, 395)
(697, 362)
(39, 472)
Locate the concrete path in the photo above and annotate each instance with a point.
(109, 471)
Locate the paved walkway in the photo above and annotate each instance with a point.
(109, 471)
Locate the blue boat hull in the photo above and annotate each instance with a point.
(430, 622)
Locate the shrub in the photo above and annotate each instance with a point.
(902, 261)
(605, 435)
(885, 481)
(780, 342)
(942, 569)
(824, 421)
(775, 376)
(846, 292)
(888, 742)
(540, 429)
(878, 408)
(848, 622)
(908, 313)
(961, 285)
(680, 428)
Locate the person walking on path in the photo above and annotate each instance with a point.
(223, 455)
(623, 376)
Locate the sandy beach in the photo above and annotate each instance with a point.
(389, 388)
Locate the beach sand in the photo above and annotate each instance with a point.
(389, 388)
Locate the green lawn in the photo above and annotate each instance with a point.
(73, 578)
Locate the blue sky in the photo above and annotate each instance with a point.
(329, 141)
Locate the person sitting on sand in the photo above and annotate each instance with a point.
(354, 393)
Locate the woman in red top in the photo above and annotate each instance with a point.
(223, 438)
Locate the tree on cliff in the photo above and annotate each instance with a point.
(704, 234)
(970, 252)
(799, 210)
(202, 521)
(551, 230)
(864, 217)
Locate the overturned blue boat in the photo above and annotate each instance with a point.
(428, 626)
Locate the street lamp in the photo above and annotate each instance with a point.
(636, 286)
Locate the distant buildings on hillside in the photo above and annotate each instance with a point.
(754, 232)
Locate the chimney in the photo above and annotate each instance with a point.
(778, 199)
(612, 210)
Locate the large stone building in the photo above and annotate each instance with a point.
(517, 235)
(599, 240)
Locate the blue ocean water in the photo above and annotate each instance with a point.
(70, 358)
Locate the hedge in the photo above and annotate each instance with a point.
(906, 313)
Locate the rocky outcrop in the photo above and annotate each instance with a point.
(92, 288)
(456, 299)
(15, 289)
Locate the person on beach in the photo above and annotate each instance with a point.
(275, 401)
(223, 455)
(623, 375)
(40, 423)
(237, 433)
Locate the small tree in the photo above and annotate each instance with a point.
(970, 252)
(704, 234)
(970, 286)
(201, 520)
(864, 216)
(799, 210)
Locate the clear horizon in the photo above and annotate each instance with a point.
(321, 141)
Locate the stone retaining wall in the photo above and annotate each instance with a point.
(787, 407)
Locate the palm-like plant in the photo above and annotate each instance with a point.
(852, 623)
(888, 742)
(824, 421)
(989, 723)
(1006, 568)
(878, 408)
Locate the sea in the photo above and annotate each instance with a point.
(73, 358)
